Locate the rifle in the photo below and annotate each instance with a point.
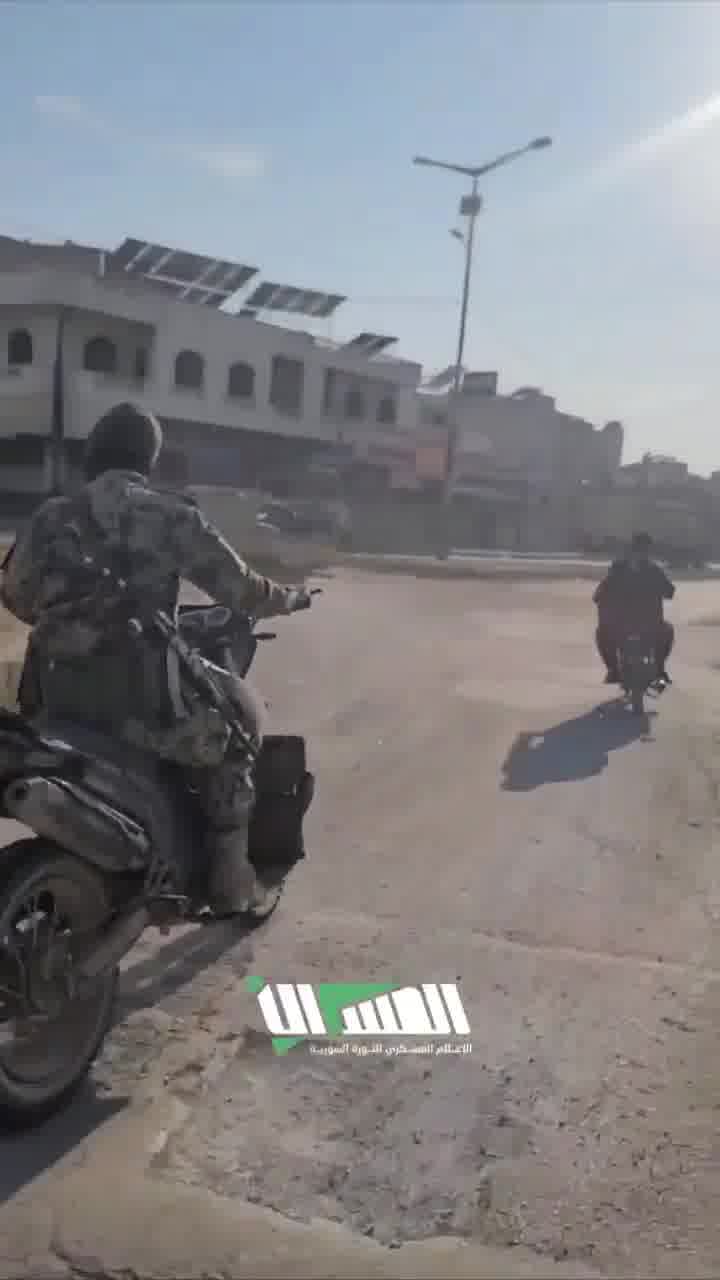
(199, 676)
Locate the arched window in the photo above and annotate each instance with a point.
(387, 412)
(354, 404)
(20, 347)
(241, 381)
(189, 371)
(100, 356)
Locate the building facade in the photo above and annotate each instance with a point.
(238, 396)
(522, 462)
(524, 435)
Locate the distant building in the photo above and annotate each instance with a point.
(653, 471)
(660, 495)
(525, 437)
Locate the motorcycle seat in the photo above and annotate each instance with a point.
(135, 781)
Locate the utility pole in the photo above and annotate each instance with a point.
(470, 207)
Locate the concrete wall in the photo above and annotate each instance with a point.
(25, 401)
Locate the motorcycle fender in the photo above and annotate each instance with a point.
(79, 822)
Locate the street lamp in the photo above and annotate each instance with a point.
(470, 207)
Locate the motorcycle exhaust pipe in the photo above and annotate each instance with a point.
(106, 951)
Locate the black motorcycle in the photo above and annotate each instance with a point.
(639, 669)
(115, 850)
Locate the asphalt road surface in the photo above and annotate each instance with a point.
(485, 814)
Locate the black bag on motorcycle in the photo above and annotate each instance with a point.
(283, 793)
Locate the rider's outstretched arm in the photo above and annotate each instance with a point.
(206, 560)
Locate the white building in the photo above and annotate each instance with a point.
(239, 396)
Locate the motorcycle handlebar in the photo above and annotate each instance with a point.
(217, 619)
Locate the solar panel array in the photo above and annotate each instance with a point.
(191, 277)
(194, 277)
(270, 296)
(369, 344)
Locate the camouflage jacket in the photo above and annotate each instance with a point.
(151, 538)
(53, 581)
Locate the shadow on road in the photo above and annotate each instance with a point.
(24, 1156)
(175, 964)
(577, 748)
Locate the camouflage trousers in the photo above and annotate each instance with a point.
(222, 778)
(130, 699)
(199, 741)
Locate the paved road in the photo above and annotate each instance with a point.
(485, 814)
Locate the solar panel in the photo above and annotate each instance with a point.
(191, 277)
(441, 380)
(270, 296)
(369, 344)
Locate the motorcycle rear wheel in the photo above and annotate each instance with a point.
(47, 896)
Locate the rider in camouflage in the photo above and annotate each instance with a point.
(89, 670)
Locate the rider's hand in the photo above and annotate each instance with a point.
(299, 598)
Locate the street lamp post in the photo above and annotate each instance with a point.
(470, 207)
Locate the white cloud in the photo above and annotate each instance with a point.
(681, 142)
(227, 159)
(681, 129)
(232, 161)
(66, 108)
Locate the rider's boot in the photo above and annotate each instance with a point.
(232, 884)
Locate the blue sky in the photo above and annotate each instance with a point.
(280, 134)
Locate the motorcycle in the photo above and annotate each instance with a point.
(639, 672)
(113, 853)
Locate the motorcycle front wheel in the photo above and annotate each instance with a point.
(49, 1033)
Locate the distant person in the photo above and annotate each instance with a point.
(632, 595)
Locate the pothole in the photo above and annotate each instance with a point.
(394, 1149)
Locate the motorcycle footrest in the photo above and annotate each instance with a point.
(167, 908)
